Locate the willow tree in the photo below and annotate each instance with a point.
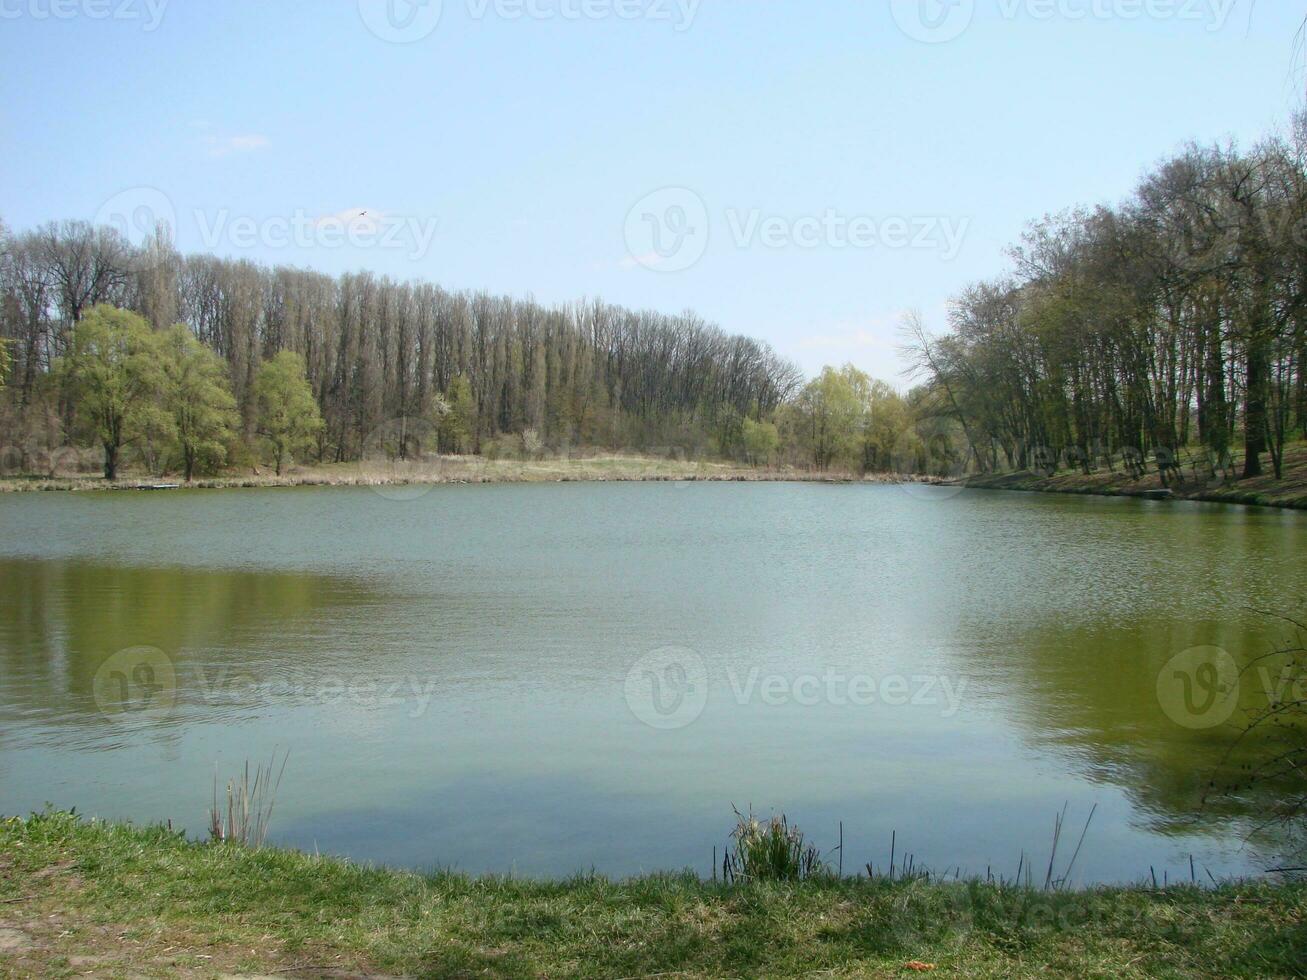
(197, 396)
(288, 418)
(112, 374)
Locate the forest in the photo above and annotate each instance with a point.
(188, 364)
(1168, 329)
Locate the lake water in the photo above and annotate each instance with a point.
(555, 678)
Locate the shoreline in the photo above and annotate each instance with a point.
(1289, 493)
(80, 897)
(1225, 494)
(464, 471)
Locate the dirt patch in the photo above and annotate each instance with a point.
(15, 941)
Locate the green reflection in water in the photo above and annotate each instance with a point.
(63, 620)
(1129, 709)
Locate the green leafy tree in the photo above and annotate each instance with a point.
(198, 398)
(288, 417)
(833, 413)
(459, 418)
(761, 440)
(883, 419)
(111, 374)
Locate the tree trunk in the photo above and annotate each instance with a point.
(1254, 420)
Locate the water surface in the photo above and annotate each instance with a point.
(548, 679)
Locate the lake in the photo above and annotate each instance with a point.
(549, 679)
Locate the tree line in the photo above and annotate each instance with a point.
(1126, 334)
(490, 373)
(192, 363)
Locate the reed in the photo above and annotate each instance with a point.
(770, 850)
(245, 816)
(907, 868)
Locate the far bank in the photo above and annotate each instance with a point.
(1192, 482)
(613, 468)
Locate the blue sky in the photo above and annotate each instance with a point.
(802, 172)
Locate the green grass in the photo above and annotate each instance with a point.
(146, 902)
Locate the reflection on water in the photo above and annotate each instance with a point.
(63, 619)
(453, 676)
(1102, 714)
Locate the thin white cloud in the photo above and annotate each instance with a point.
(860, 337)
(636, 262)
(222, 146)
(871, 344)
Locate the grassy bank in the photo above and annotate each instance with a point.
(80, 898)
(458, 469)
(1264, 491)
(618, 468)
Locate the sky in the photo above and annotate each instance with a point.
(802, 172)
